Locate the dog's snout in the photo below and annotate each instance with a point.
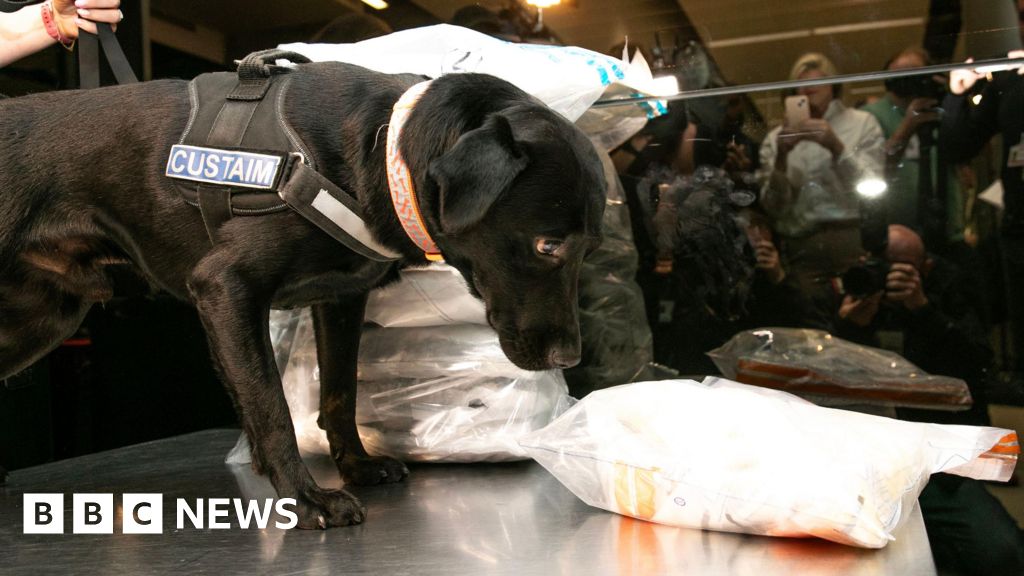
(564, 358)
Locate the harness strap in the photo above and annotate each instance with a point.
(332, 210)
(227, 131)
(255, 73)
(250, 151)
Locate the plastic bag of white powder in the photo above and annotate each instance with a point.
(726, 456)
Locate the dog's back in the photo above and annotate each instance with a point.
(48, 139)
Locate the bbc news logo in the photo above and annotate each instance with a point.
(144, 513)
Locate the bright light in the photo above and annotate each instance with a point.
(376, 4)
(871, 187)
(976, 99)
(664, 86)
(540, 3)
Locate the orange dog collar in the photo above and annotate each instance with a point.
(403, 193)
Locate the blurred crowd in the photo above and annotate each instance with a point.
(875, 220)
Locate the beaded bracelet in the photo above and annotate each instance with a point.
(50, 23)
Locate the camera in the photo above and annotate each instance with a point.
(865, 279)
(921, 86)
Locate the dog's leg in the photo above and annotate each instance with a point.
(337, 328)
(35, 316)
(234, 307)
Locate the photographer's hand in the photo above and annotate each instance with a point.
(787, 139)
(860, 311)
(768, 260)
(962, 80)
(903, 285)
(919, 112)
(1017, 54)
(736, 159)
(818, 130)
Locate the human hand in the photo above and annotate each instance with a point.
(788, 138)
(74, 15)
(903, 285)
(963, 79)
(768, 260)
(736, 159)
(860, 311)
(921, 111)
(818, 130)
(1017, 54)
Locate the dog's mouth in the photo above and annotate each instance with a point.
(538, 349)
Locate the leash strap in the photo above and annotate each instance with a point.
(89, 46)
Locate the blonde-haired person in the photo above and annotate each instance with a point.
(39, 26)
(810, 174)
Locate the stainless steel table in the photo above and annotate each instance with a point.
(473, 519)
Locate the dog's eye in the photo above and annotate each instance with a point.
(549, 247)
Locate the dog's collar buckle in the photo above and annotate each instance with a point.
(403, 192)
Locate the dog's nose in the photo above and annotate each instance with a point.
(561, 358)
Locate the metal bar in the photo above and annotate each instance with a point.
(791, 84)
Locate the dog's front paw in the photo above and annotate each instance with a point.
(320, 509)
(364, 471)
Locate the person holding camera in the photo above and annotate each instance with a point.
(926, 309)
(811, 168)
(923, 190)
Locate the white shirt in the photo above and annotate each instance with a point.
(816, 188)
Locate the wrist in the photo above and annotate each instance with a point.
(895, 147)
(54, 27)
(916, 304)
(836, 147)
(901, 136)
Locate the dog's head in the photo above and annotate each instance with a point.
(519, 203)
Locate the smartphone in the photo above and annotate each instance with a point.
(797, 110)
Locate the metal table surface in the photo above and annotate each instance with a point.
(445, 519)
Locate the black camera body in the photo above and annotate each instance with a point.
(865, 279)
(921, 86)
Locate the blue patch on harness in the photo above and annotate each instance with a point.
(225, 167)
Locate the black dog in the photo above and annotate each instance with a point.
(512, 193)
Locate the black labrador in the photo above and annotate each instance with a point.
(512, 193)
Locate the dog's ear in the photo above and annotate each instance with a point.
(474, 173)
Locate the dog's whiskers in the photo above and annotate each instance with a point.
(376, 136)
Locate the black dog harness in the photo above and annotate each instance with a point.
(239, 156)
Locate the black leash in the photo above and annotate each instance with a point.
(89, 46)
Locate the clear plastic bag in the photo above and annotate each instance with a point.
(617, 342)
(439, 393)
(831, 371)
(458, 418)
(725, 456)
(432, 296)
(566, 78)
